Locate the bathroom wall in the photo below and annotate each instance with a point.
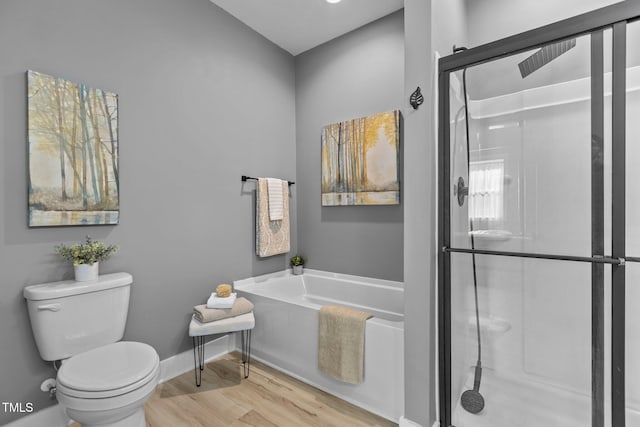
(490, 20)
(358, 74)
(430, 26)
(420, 229)
(203, 100)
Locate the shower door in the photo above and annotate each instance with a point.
(537, 238)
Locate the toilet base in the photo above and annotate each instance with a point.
(136, 419)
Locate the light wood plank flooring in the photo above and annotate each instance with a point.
(267, 398)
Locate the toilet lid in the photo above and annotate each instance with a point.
(110, 367)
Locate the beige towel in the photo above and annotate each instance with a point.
(272, 237)
(205, 315)
(341, 342)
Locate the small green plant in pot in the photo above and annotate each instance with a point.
(297, 263)
(86, 257)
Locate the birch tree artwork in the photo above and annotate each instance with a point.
(360, 161)
(73, 153)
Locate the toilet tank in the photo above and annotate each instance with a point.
(70, 317)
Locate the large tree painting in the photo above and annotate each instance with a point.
(73, 153)
(360, 160)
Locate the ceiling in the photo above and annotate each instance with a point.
(299, 25)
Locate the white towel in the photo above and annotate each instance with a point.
(276, 208)
(215, 301)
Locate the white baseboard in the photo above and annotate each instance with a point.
(406, 422)
(174, 366)
(171, 367)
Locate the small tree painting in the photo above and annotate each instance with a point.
(360, 161)
(73, 153)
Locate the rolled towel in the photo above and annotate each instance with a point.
(205, 315)
(215, 301)
(223, 290)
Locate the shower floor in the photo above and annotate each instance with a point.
(511, 403)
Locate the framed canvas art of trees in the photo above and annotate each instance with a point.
(360, 161)
(73, 153)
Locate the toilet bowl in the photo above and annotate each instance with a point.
(108, 386)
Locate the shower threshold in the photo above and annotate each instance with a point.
(509, 402)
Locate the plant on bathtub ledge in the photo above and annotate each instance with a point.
(297, 264)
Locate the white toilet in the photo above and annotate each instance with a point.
(102, 381)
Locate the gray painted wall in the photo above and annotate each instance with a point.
(430, 26)
(203, 100)
(490, 20)
(353, 76)
(449, 25)
(419, 218)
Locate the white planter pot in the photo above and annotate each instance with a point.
(86, 272)
(297, 269)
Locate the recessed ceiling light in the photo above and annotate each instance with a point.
(333, 1)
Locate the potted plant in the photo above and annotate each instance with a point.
(297, 263)
(86, 257)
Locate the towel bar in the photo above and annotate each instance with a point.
(246, 178)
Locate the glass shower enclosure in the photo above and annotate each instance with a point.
(539, 227)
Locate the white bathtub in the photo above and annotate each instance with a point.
(286, 332)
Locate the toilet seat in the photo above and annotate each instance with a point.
(108, 371)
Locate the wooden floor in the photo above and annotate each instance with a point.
(267, 398)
